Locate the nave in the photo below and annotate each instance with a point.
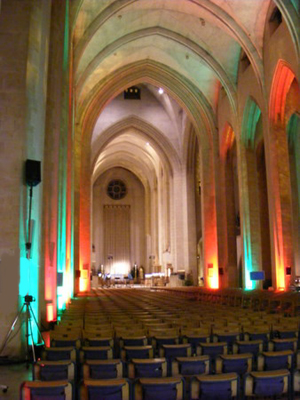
(170, 344)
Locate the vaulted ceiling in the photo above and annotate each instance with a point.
(190, 48)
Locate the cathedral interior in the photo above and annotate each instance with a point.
(149, 144)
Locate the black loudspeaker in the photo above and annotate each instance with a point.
(221, 271)
(60, 279)
(33, 172)
(288, 270)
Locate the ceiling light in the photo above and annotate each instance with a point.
(147, 144)
(160, 90)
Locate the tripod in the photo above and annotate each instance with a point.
(29, 316)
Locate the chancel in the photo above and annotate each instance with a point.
(150, 196)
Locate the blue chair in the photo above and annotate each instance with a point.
(147, 368)
(171, 351)
(95, 353)
(94, 341)
(215, 387)
(133, 341)
(37, 390)
(267, 383)
(159, 341)
(273, 360)
(195, 339)
(238, 363)
(286, 331)
(65, 340)
(190, 366)
(260, 332)
(171, 388)
(102, 369)
(106, 389)
(283, 344)
(252, 346)
(212, 349)
(54, 371)
(221, 335)
(130, 352)
(59, 354)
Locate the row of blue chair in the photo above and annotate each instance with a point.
(204, 387)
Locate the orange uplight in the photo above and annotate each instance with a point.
(227, 140)
(280, 277)
(49, 312)
(83, 285)
(214, 282)
(283, 78)
(212, 276)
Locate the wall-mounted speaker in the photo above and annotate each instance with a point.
(288, 270)
(60, 279)
(32, 172)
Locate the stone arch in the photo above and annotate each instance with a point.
(202, 117)
(145, 129)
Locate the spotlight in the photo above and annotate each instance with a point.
(160, 90)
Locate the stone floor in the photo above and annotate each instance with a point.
(12, 376)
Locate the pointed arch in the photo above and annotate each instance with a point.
(282, 80)
(163, 145)
(251, 116)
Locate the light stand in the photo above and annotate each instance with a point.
(29, 316)
(28, 242)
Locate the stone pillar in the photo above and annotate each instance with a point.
(180, 221)
(231, 264)
(84, 215)
(250, 218)
(295, 181)
(37, 74)
(77, 180)
(209, 218)
(280, 205)
(264, 212)
(191, 222)
(56, 165)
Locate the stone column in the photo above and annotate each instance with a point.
(209, 217)
(280, 205)
(250, 218)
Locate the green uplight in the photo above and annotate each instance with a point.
(63, 293)
(252, 114)
(251, 117)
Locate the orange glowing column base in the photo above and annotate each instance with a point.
(49, 312)
(212, 276)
